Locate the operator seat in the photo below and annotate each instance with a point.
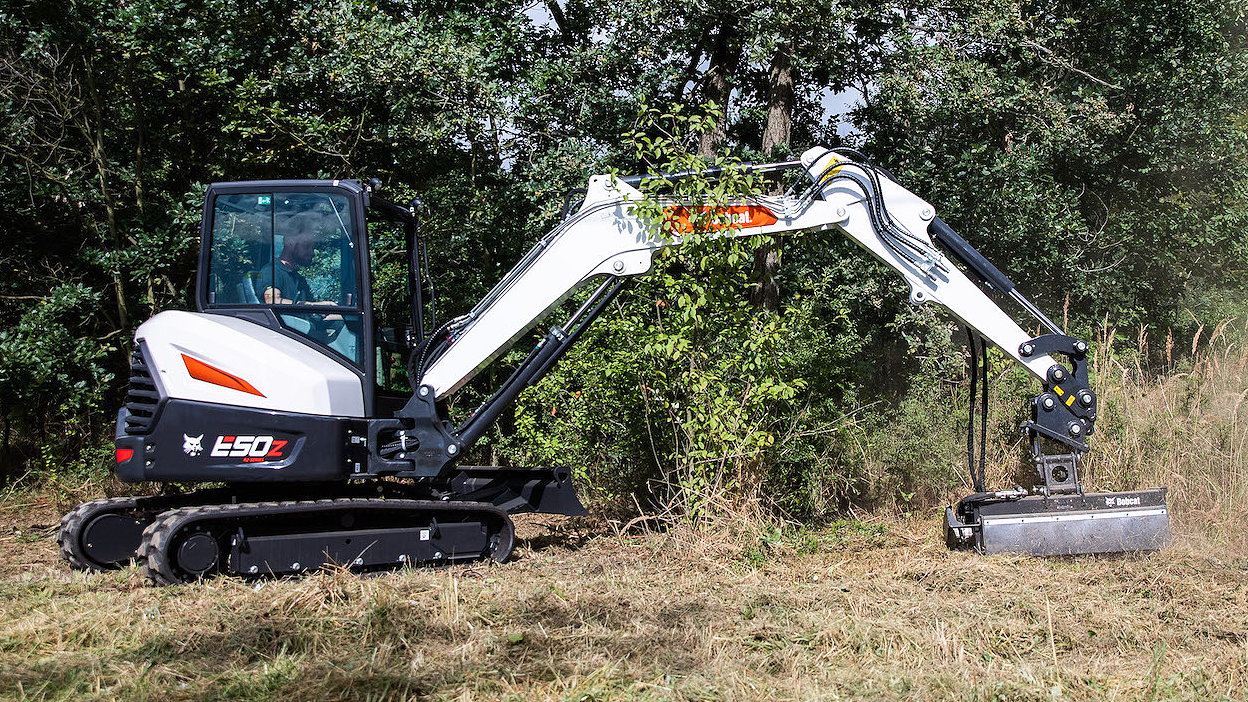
(246, 289)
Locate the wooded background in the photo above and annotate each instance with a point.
(1096, 151)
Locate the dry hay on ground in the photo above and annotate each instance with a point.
(856, 611)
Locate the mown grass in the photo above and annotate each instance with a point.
(867, 611)
(873, 608)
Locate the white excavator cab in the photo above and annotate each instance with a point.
(295, 255)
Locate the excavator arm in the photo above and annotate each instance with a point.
(606, 242)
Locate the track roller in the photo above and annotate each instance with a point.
(286, 538)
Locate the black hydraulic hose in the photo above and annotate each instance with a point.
(875, 199)
(881, 221)
(567, 202)
(859, 156)
(418, 363)
(415, 288)
(973, 378)
(891, 235)
(978, 380)
(898, 240)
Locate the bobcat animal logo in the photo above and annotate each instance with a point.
(191, 444)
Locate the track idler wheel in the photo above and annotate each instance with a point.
(101, 534)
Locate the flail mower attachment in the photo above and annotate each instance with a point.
(1059, 525)
(1056, 517)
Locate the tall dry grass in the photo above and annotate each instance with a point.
(1176, 423)
(1170, 416)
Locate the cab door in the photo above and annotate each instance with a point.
(288, 254)
(391, 281)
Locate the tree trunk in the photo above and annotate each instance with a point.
(92, 126)
(717, 83)
(766, 292)
(779, 101)
(573, 34)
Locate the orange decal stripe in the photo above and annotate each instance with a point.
(211, 374)
(680, 219)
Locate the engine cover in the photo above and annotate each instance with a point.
(282, 372)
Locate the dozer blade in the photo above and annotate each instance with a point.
(1062, 525)
(517, 490)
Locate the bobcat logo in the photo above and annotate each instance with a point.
(191, 445)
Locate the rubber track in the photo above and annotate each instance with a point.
(68, 536)
(153, 554)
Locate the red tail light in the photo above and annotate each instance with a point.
(123, 455)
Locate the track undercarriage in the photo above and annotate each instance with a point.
(248, 532)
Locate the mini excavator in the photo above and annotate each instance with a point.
(324, 429)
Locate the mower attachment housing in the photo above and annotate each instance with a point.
(1060, 525)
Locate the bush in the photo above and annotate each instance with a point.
(54, 385)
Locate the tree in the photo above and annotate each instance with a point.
(1096, 150)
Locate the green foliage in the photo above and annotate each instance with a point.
(1105, 134)
(53, 381)
(1098, 152)
(708, 367)
(720, 376)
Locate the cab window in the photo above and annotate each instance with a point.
(294, 252)
(391, 303)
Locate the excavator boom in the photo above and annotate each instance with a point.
(607, 240)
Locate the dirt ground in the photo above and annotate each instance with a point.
(857, 610)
